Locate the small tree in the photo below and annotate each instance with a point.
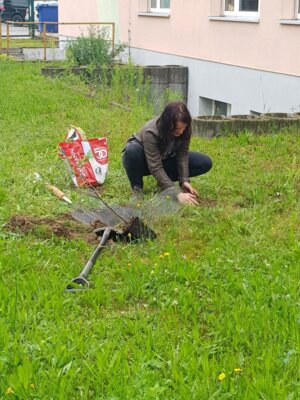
(95, 49)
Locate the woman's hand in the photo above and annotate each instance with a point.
(187, 187)
(187, 198)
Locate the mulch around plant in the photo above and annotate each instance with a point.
(63, 226)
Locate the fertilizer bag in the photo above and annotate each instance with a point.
(87, 159)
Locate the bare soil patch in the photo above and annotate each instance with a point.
(207, 202)
(63, 226)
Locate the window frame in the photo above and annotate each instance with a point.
(237, 13)
(298, 9)
(158, 8)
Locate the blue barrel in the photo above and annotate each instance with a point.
(48, 12)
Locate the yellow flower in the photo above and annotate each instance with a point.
(237, 370)
(221, 376)
(32, 385)
(166, 254)
(129, 264)
(9, 390)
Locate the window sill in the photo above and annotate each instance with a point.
(252, 20)
(289, 21)
(154, 14)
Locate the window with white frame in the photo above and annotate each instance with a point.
(241, 7)
(213, 107)
(160, 5)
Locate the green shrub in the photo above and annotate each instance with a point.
(94, 49)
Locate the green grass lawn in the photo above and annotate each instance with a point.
(209, 310)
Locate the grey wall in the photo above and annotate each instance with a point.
(244, 88)
(38, 54)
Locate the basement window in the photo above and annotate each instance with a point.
(213, 107)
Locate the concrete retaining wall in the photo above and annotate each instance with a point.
(212, 126)
(161, 79)
(172, 77)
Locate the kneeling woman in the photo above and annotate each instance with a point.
(161, 149)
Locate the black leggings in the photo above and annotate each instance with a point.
(135, 164)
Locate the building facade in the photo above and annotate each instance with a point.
(243, 55)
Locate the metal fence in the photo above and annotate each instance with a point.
(44, 37)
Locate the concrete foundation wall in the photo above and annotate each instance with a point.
(160, 79)
(244, 89)
(213, 126)
(38, 54)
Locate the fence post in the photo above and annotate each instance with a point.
(7, 39)
(113, 37)
(44, 41)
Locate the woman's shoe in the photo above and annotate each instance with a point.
(137, 194)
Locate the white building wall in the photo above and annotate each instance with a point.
(244, 88)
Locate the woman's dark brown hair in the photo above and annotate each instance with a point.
(174, 112)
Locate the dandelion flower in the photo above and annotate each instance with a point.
(221, 376)
(166, 254)
(237, 370)
(9, 390)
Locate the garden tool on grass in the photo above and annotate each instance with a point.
(130, 228)
(58, 193)
(80, 282)
(127, 222)
(134, 230)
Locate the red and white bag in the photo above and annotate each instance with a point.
(87, 158)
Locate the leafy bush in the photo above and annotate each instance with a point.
(94, 49)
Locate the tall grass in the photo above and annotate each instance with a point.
(209, 310)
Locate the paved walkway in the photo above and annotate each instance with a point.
(15, 31)
(21, 32)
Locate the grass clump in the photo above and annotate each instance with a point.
(207, 310)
